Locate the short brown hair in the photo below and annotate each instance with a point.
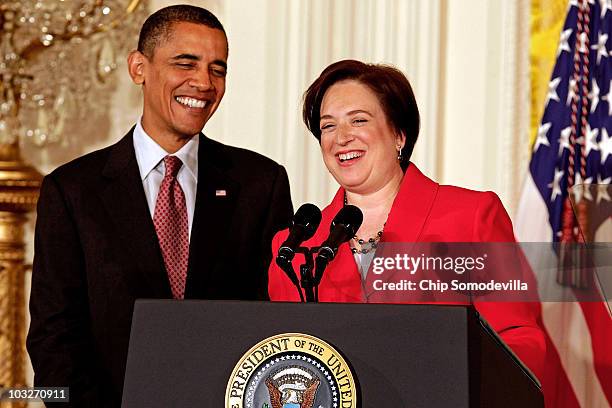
(388, 83)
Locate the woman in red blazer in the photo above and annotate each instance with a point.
(366, 120)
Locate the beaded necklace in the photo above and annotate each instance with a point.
(366, 245)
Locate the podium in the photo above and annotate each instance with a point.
(183, 353)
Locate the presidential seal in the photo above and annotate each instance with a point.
(291, 370)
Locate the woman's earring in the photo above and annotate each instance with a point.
(399, 154)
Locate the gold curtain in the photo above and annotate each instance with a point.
(547, 19)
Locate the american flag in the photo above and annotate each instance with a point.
(576, 127)
(573, 147)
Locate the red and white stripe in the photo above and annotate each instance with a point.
(579, 361)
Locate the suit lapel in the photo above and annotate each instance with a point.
(411, 208)
(216, 199)
(126, 203)
(408, 216)
(407, 219)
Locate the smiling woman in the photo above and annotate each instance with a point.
(357, 139)
(366, 121)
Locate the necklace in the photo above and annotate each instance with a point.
(368, 245)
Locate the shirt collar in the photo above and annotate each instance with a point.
(149, 153)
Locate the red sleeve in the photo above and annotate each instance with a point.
(280, 287)
(492, 223)
(517, 323)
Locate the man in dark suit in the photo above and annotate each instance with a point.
(163, 213)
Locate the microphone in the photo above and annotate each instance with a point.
(343, 228)
(303, 226)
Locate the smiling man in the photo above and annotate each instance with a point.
(164, 213)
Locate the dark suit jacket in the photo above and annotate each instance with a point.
(425, 211)
(96, 251)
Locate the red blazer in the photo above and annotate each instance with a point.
(425, 211)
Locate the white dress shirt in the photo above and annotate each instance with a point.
(150, 155)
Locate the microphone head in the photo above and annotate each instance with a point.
(308, 217)
(343, 227)
(350, 217)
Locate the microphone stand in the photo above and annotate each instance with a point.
(287, 267)
(308, 281)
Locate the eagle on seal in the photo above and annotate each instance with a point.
(292, 387)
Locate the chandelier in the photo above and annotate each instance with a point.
(56, 61)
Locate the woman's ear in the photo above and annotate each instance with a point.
(400, 139)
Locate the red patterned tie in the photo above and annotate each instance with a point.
(172, 227)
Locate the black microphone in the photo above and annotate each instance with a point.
(303, 226)
(343, 228)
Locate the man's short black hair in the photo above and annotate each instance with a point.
(158, 26)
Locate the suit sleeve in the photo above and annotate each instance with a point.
(517, 323)
(59, 341)
(280, 212)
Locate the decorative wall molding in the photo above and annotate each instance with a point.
(513, 107)
(485, 96)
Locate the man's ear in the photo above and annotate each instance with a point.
(136, 66)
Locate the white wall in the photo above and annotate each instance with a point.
(467, 61)
(486, 96)
(277, 48)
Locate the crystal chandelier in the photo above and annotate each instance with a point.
(56, 61)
